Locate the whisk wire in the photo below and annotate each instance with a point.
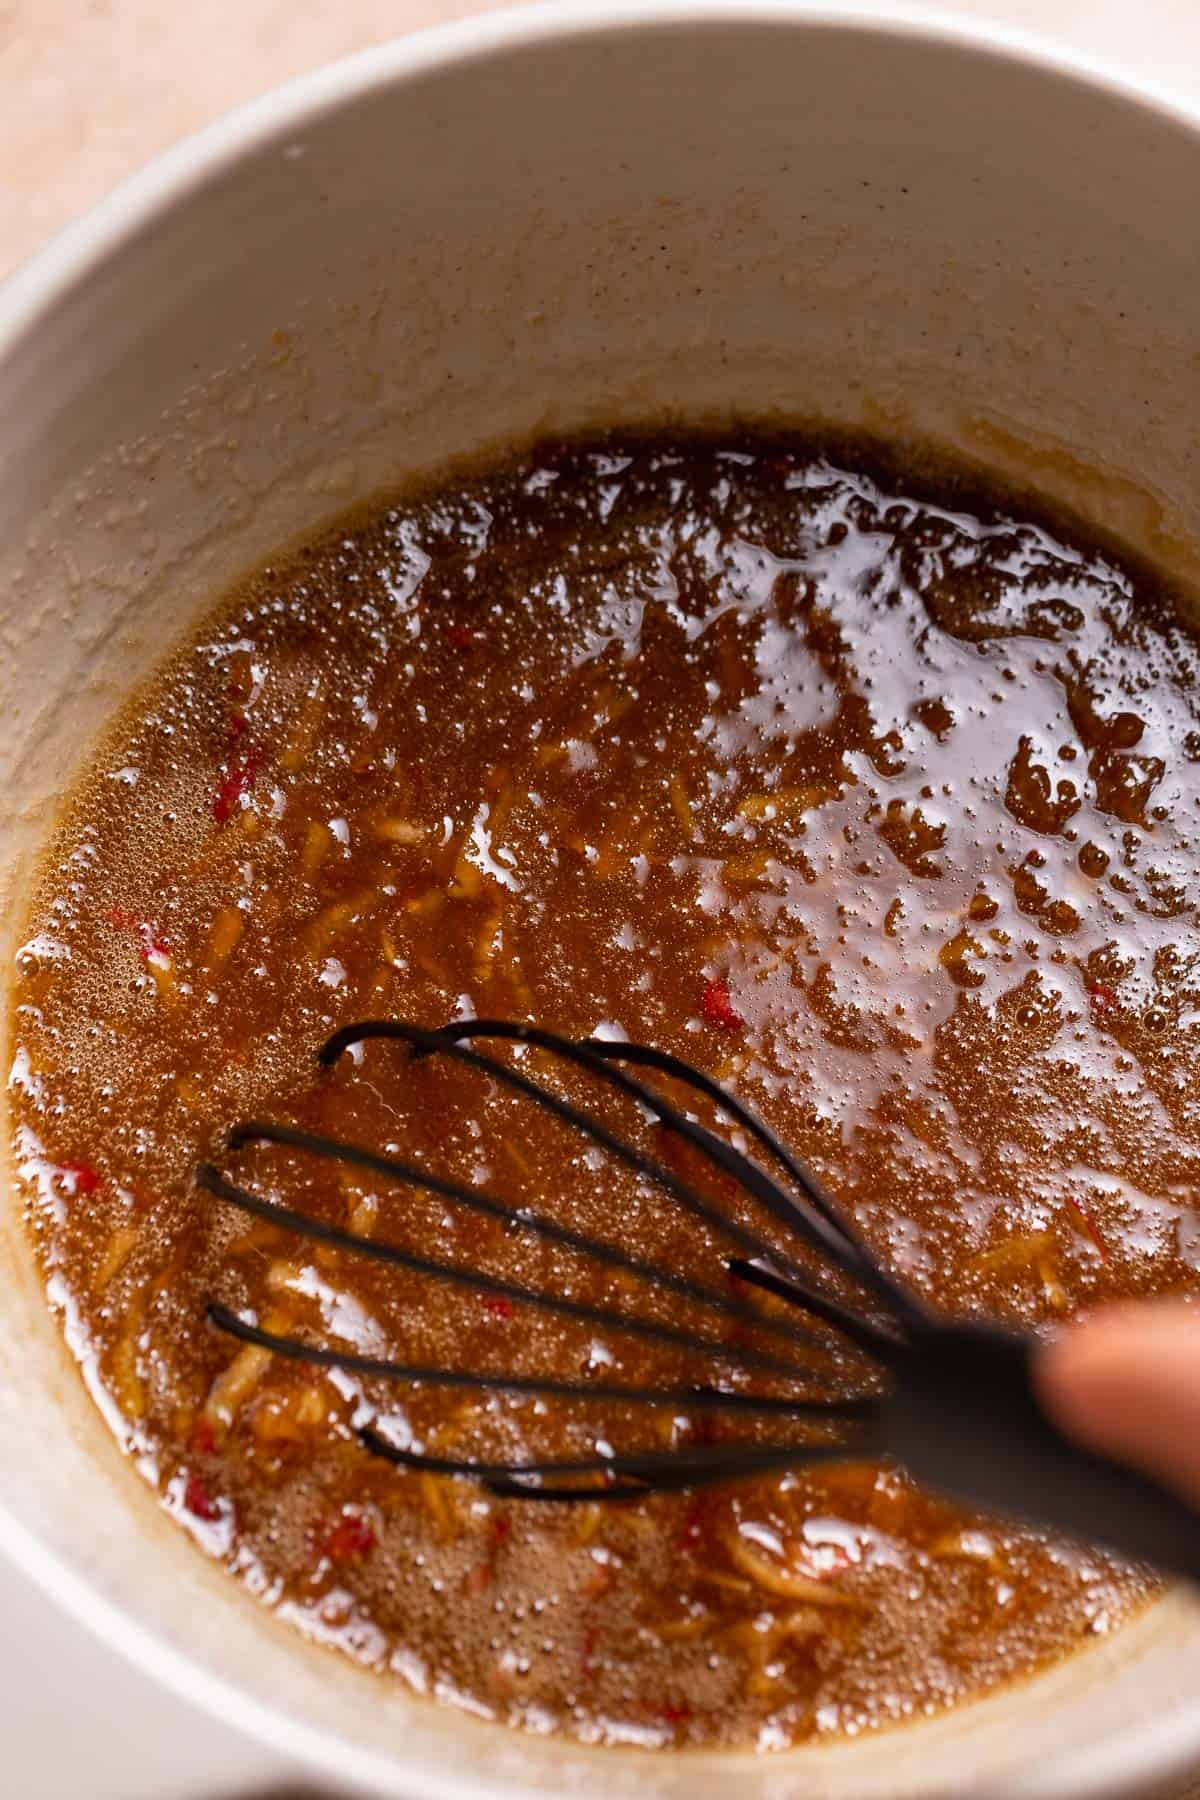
(743, 1358)
(819, 1224)
(427, 1042)
(810, 1214)
(866, 1269)
(519, 1218)
(680, 1396)
(662, 1471)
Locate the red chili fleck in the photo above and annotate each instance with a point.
(499, 1305)
(155, 949)
(199, 1501)
(675, 1714)
(1103, 998)
(476, 1581)
(693, 1526)
(351, 1538)
(498, 1530)
(238, 778)
(1087, 1226)
(718, 1009)
(830, 1561)
(587, 1653)
(462, 637)
(708, 1430)
(239, 724)
(601, 1580)
(81, 1177)
(203, 1439)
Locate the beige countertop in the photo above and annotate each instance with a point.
(92, 89)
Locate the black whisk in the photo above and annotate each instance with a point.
(950, 1400)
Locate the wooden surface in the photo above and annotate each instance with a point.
(91, 89)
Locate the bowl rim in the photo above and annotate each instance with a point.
(1163, 1746)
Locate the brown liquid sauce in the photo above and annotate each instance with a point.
(882, 810)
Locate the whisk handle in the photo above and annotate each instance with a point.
(963, 1418)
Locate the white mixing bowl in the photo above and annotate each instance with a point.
(595, 214)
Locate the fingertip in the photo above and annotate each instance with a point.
(1126, 1381)
(1074, 1373)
